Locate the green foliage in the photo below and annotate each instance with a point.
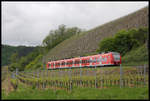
(36, 63)
(140, 35)
(124, 41)
(79, 93)
(14, 58)
(57, 36)
(107, 42)
(137, 56)
(13, 66)
(23, 61)
(8, 50)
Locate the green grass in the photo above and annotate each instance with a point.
(136, 56)
(30, 92)
(80, 93)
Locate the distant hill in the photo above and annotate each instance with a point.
(8, 50)
(87, 43)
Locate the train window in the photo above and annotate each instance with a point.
(94, 60)
(117, 57)
(67, 63)
(97, 59)
(77, 62)
(82, 61)
(105, 59)
(63, 63)
(90, 60)
(87, 61)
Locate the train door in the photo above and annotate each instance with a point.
(83, 62)
(87, 61)
(48, 65)
(94, 60)
(52, 65)
(56, 65)
(103, 59)
(97, 60)
(109, 59)
(71, 63)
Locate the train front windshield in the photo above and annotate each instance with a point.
(116, 56)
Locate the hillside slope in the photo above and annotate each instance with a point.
(8, 50)
(87, 42)
(136, 56)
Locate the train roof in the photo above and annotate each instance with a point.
(84, 57)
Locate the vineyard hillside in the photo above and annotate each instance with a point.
(87, 42)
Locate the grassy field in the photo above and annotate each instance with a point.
(25, 91)
(79, 93)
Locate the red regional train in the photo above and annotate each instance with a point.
(111, 58)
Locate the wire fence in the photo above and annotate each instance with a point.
(97, 77)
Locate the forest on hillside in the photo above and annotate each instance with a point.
(8, 50)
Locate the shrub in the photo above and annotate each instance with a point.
(124, 41)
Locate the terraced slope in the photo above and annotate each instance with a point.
(87, 43)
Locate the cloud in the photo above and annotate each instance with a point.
(28, 23)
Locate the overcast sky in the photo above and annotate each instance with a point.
(28, 23)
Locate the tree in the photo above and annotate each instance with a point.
(124, 41)
(14, 57)
(106, 45)
(57, 36)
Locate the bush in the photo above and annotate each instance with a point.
(138, 56)
(124, 41)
